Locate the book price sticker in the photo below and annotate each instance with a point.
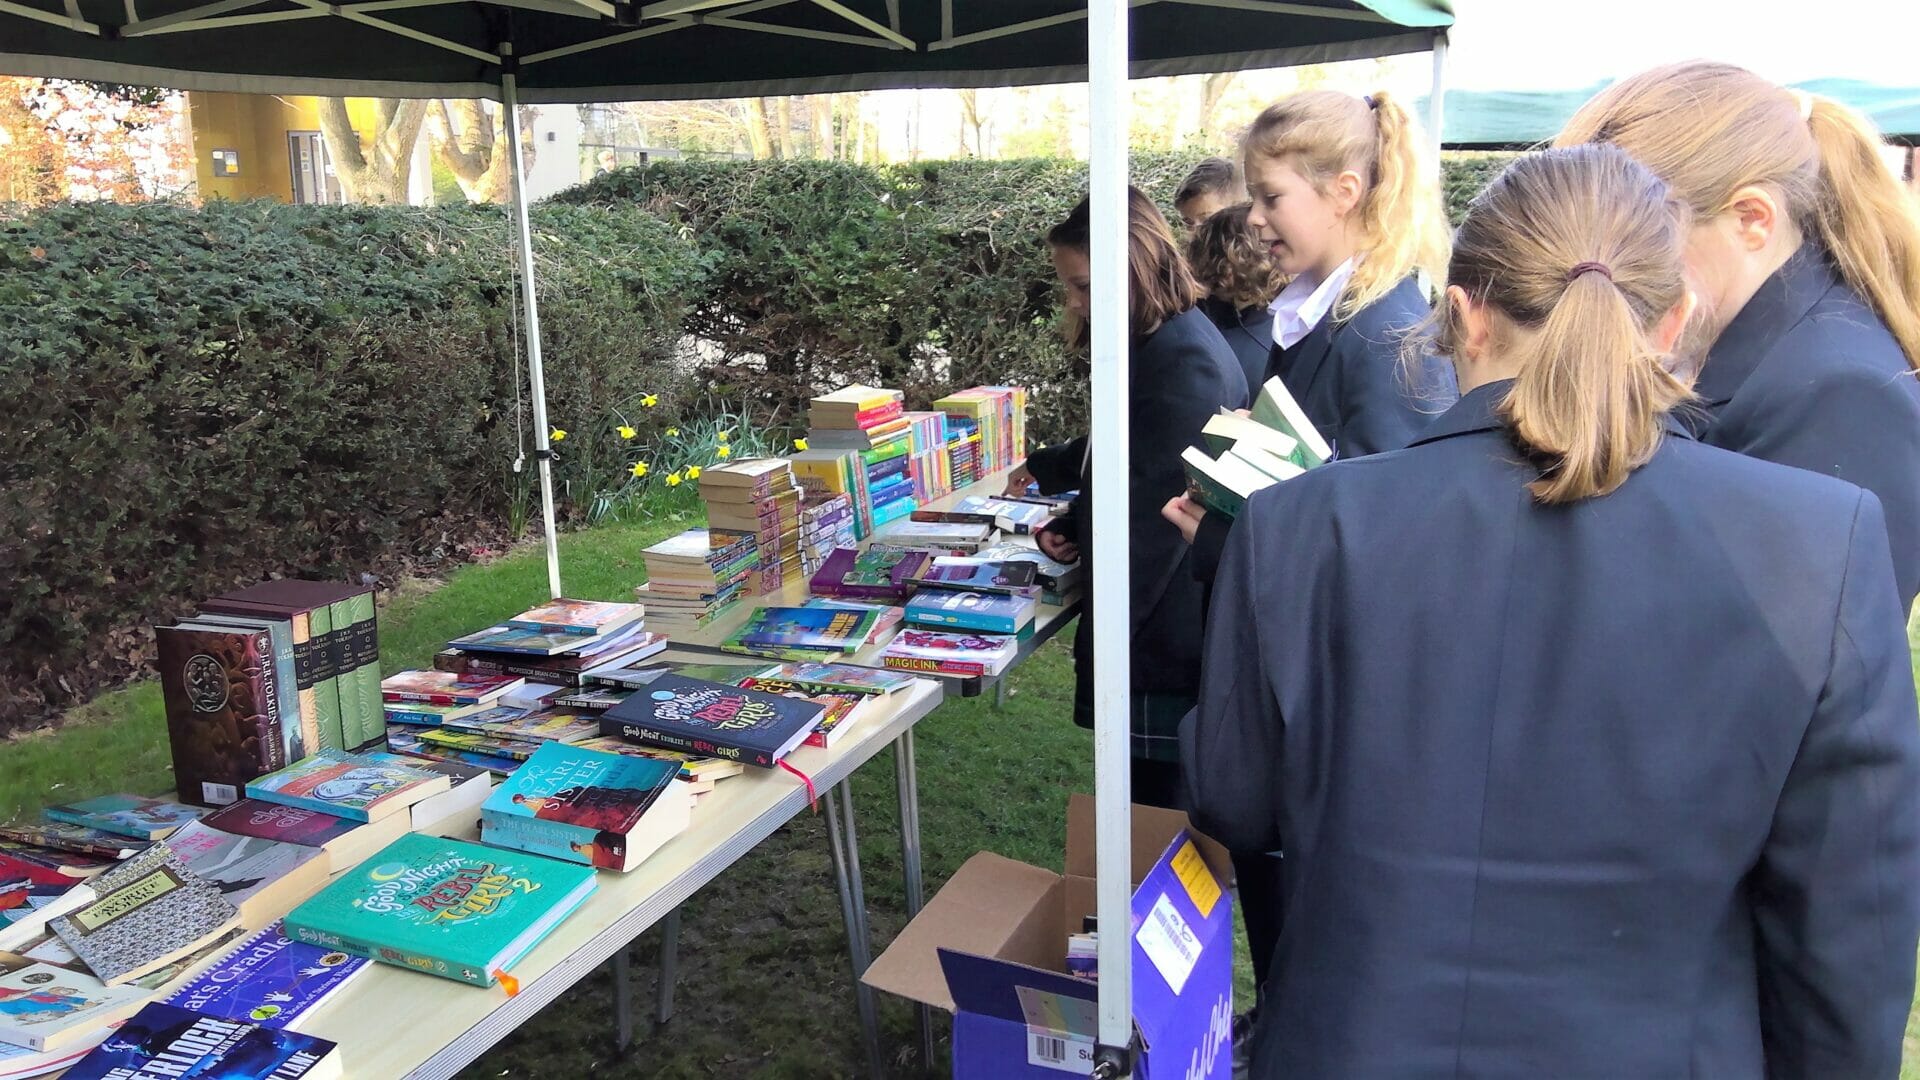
(1169, 942)
(1060, 1030)
(1197, 877)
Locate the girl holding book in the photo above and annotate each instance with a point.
(1241, 279)
(1180, 373)
(1643, 757)
(1805, 252)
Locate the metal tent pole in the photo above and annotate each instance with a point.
(536, 372)
(1437, 100)
(1112, 614)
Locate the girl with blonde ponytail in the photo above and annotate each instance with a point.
(1806, 254)
(1567, 724)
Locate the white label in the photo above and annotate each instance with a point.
(1059, 1051)
(219, 794)
(1169, 942)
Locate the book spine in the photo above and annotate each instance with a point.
(326, 688)
(399, 696)
(386, 954)
(273, 736)
(554, 839)
(354, 722)
(366, 658)
(469, 664)
(938, 667)
(879, 414)
(651, 736)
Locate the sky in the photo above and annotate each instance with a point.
(1553, 44)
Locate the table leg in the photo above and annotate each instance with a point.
(907, 782)
(846, 878)
(622, 1000)
(669, 967)
(1000, 693)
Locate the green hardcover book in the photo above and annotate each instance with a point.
(364, 656)
(1230, 429)
(1275, 408)
(334, 734)
(1222, 486)
(450, 908)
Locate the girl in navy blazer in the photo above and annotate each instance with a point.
(1593, 750)
(1806, 254)
(1180, 373)
(1238, 273)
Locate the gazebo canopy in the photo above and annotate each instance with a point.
(605, 50)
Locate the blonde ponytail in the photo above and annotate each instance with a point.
(1711, 129)
(1579, 252)
(1402, 220)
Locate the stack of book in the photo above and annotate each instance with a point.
(929, 465)
(1058, 581)
(694, 577)
(881, 573)
(999, 414)
(826, 523)
(551, 646)
(823, 473)
(608, 811)
(758, 497)
(963, 452)
(871, 422)
(967, 618)
(940, 537)
(1277, 442)
(1016, 516)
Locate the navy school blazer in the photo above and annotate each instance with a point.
(1179, 376)
(1807, 375)
(1627, 788)
(1249, 333)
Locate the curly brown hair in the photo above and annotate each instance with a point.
(1231, 262)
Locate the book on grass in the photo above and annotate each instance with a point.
(74, 839)
(147, 912)
(126, 815)
(262, 878)
(47, 1008)
(345, 841)
(446, 688)
(942, 652)
(1277, 409)
(347, 785)
(162, 1041)
(724, 721)
(590, 617)
(269, 979)
(604, 810)
(994, 613)
(973, 574)
(444, 907)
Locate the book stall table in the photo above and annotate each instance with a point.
(397, 1023)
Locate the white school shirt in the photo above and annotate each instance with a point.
(1304, 303)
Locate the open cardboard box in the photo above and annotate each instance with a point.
(990, 947)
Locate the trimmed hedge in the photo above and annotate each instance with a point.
(194, 398)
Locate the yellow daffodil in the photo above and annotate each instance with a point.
(723, 436)
(799, 444)
(673, 432)
(650, 400)
(693, 472)
(640, 469)
(673, 479)
(556, 435)
(627, 432)
(723, 452)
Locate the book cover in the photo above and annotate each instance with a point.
(269, 979)
(258, 877)
(43, 1007)
(591, 617)
(1229, 429)
(300, 724)
(309, 645)
(516, 750)
(1003, 577)
(938, 534)
(407, 744)
(222, 707)
(507, 639)
(148, 911)
(45, 866)
(991, 612)
(942, 653)
(167, 1041)
(126, 815)
(1276, 408)
(556, 724)
(362, 662)
(565, 670)
(347, 785)
(836, 709)
(286, 824)
(838, 678)
(444, 907)
(446, 687)
(340, 647)
(586, 806)
(824, 629)
(74, 839)
(1222, 486)
(714, 719)
(627, 675)
(413, 712)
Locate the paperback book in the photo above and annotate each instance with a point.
(147, 912)
(714, 719)
(344, 841)
(261, 878)
(74, 839)
(942, 652)
(825, 629)
(270, 980)
(347, 785)
(532, 726)
(879, 573)
(604, 810)
(838, 678)
(126, 815)
(47, 1008)
(999, 576)
(446, 688)
(589, 617)
(167, 1041)
(993, 613)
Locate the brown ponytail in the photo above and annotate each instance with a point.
(1710, 129)
(1403, 225)
(1579, 252)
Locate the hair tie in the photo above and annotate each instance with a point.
(1371, 104)
(1804, 101)
(1585, 267)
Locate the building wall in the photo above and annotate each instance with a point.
(256, 126)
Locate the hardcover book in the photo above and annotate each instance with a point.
(589, 617)
(223, 709)
(444, 907)
(299, 725)
(269, 979)
(446, 687)
(167, 1041)
(75, 839)
(713, 719)
(126, 815)
(347, 785)
(47, 1008)
(148, 912)
(604, 810)
(262, 878)
(991, 612)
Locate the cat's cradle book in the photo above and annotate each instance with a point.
(586, 806)
(166, 1042)
(348, 786)
(715, 719)
(269, 979)
(126, 815)
(450, 908)
(148, 912)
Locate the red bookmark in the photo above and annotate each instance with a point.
(813, 800)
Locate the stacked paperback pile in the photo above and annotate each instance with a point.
(963, 453)
(999, 415)
(1277, 442)
(264, 676)
(826, 523)
(759, 498)
(868, 422)
(605, 810)
(929, 465)
(967, 617)
(825, 474)
(694, 577)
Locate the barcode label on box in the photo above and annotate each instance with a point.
(219, 794)
(1169, 942)
(1056, 1050)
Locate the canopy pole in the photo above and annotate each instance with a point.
(536, 371)
(1108, 95)
(1437, 99)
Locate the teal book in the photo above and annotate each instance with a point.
(587, 806)
(126, 815)
(450, 908)
(347, 785)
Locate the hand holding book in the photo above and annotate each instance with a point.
(1185, 513)
(1056, 546)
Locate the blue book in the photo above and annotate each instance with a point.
(828, 629)
(993, 613)
(608, 811)
(168, 1041)
(270, 980)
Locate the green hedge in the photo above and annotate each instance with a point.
(197, 397)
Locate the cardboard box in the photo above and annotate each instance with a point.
(990, 947)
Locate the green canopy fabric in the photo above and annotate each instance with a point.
(1512, 119)
(605, 50)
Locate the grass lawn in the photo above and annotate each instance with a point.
(764, 989)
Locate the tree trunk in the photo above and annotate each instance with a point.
(474, 148)
(377, 170)
(1212, 89)
(759, 137)
(820, 117)
(783, 122)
